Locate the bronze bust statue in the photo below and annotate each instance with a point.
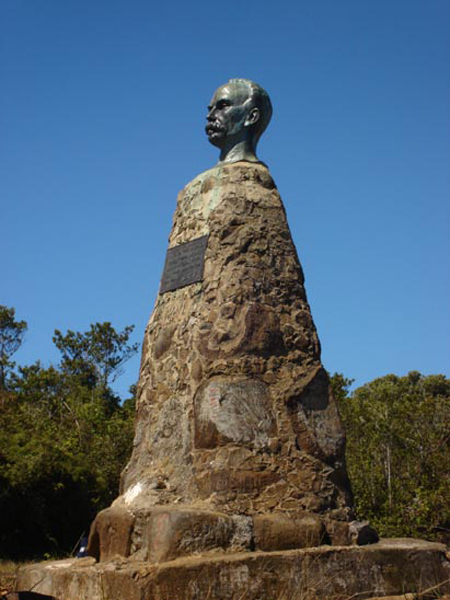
(239, 112)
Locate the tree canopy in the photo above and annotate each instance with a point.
(64, 438)
(398, 453)
(101, 351)
(11, 337)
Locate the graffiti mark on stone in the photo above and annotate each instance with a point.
(214, 399)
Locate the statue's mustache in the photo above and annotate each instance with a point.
(214, 127)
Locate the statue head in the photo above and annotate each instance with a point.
(239, 112)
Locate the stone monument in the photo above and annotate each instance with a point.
(237, 485)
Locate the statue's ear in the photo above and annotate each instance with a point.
(253, 116)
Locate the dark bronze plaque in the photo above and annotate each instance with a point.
(184, 265)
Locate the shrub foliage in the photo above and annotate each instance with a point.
(398, 452)
(64, 438)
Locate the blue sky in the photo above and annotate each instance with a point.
(102, 110)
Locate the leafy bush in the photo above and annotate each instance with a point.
(64, 438)
(398, 452)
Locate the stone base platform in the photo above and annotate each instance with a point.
(389, 568)
(163, 533)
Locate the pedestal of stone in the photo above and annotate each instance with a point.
(237, 485)
(237, 431)
(400, 568)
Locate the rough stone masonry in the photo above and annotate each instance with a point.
(238, 439)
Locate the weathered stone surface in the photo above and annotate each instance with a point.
(278, 532)
(27, 596)
(160, 533)
(110, 534)
(236, 422)
(382, 570)
(177, 533)
(239, 412)
(235, 412)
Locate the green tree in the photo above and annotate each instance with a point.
(11, 338)
(398, 453)
(340, 386)
(63, 444)
(99, 354)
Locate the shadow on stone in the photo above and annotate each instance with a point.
(28, 596)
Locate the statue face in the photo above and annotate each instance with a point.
(228, 115)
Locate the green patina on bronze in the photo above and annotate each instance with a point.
(239, 113)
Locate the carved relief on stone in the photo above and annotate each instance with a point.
(239, 412)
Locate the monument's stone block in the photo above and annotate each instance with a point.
(111, 534)
(378, 571)
(161, 533)
(235, 411)
(236, 422)
(278, 532)
(174, 533)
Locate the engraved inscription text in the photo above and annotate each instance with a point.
(184, 265)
